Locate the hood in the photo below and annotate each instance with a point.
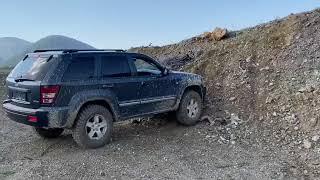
(187, 75)
(184, 73)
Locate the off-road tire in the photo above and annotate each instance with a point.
(79, 132)
(182, 113)
(48, 133)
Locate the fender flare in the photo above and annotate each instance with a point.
(84, 97)
(183, 90)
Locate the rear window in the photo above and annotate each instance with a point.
(33, 67)
(80, 68)
(115, 66)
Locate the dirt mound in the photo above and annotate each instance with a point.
(268, 76)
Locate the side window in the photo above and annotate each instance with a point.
(115, 66)
(145, 68)
(80, 68)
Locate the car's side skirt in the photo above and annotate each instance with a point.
(147, 100)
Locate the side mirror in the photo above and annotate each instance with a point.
(166, 71)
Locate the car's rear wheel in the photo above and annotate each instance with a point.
(93, 127)
(190, 108)
(48, 132)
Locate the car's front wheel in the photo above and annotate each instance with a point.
(48, 132)
(190, 108)
(93, 127)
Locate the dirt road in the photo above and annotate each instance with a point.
(138, 151)
(148, 150)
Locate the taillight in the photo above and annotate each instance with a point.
(48, 94)
(33, 119)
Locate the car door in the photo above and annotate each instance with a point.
(157, 90)
(116, 78)
(80, 75)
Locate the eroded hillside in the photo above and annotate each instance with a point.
(267, 75)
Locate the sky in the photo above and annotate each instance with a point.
(131, 23)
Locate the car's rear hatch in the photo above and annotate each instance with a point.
(24, 81)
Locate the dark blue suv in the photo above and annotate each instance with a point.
(87, 90)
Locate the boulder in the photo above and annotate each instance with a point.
(216, 35)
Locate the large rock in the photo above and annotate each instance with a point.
(216, 35)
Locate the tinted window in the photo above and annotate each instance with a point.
(80, 68)
(115, 66)
(33, 67)
(145, 68)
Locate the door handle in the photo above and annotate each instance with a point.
(107, 86)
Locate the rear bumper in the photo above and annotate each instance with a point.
(46, 117)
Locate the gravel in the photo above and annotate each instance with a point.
(140, 151)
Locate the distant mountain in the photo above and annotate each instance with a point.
(59, 42)
(49, 42)
(11, 46)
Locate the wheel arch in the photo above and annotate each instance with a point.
(101, 102)
(73, 115)
(197, 88)
(85, 98)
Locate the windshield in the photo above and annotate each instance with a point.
(33, 67)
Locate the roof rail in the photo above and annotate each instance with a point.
(78, 50)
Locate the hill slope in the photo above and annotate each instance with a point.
(268, 76)
(10, 46)
(50, 42)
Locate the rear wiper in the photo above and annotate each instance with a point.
(25, 57)
(22, 79)
(50, 57)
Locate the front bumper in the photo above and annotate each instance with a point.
(47, 116)
(204, 92)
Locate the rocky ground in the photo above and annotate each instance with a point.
(149, 150)
(261, 119)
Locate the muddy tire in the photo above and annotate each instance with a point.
(93, 127)
(48, 133)
(190, 108)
